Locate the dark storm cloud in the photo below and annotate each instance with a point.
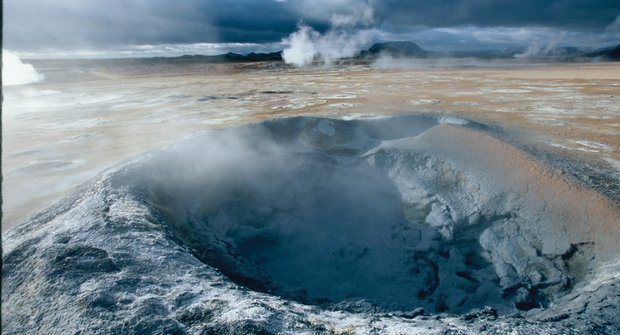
(569, 14)
(83, 23)
(40, 24)
(49, 23)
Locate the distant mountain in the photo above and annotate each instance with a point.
(235, 57)
(570, 53)
(394, 48)
(398, 48)
(563, 52)
(482, 54)
(611, 53)
(558, 53)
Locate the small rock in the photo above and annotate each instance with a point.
(410, 314)
(474, 218)
(355, 306)
(526, 299)
(487, 312)
(556, 318)
(535, 277)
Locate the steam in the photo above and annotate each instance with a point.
(388, 62)
(302, 48)
(16, 72)
(536, 50)
(614, 27)
(361, 14)
(307, 45)
(542, 48)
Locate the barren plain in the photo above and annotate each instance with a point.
(87, 116)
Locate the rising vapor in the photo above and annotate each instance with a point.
(307, 45)
(348, 34)
(16, 72)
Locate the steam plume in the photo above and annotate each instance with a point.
(341, 40)
(16, 72)
(307, 45)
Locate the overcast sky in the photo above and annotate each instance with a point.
(40, 25)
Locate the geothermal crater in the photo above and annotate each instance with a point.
(356, 220)
(380, 215)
